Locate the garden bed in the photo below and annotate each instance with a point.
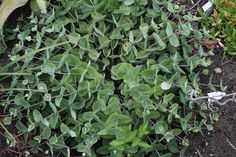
(218, 143)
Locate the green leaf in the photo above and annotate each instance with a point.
(144, 29)
(128, 2)
(7, 120)
(160, 128)
(169, 136)
(104, 41)
(144, 144)
(170, 7)
(97, 16)
(47, 97)
(74, 38)
(174, 41)
(53, 120)
(185, 142)
(142, 2)
(64, 128)
(143, 130)
(159, 41)
(37, 116)
(31, 127)
(115, 119)
(191, 18)
(130, 136)
(186, 29)
(88, 116)
(20, 101)
(169, 29)
(94, 55)
(42, 87)
(113, 106)
(73, 113)
(47, 133)
(49, 68)
(173, 146)
(120, 70)
(117, 142)
(72, 133)
(53, 140)
(45, 122)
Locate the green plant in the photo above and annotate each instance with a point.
(106, 82)
(221, 25)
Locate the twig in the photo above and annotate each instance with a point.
(5, 129)
(198, 152)
(195, 5)
(154, 148)
(227, 140)
(195, 99)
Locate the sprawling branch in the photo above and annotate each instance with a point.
(230, 98)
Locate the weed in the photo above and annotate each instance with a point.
(221, 25)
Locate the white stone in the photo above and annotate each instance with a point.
(207, 6)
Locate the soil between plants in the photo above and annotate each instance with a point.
(222, 141)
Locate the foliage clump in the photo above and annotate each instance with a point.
(222, 24)
(106, 78)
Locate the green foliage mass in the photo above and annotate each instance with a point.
(106, 78)
(221, 25)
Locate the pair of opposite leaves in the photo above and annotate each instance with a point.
(8, 6)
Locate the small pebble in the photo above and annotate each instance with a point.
(218, 70)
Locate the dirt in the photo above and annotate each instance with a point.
(222, 141)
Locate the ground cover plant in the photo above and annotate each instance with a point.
(105, 78)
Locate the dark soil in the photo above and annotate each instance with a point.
(222, 141)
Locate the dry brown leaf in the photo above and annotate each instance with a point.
(209, 44)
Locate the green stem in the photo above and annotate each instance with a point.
(18, 89)
(29, 54)
(11, 136)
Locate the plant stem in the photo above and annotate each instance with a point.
(5, 129)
